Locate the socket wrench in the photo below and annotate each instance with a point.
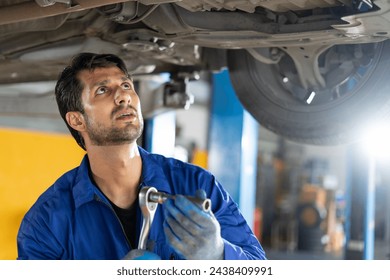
(149, 198)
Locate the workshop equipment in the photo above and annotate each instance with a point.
(149, 198)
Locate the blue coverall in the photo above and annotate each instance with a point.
(74, 220)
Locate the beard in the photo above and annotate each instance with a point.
(101, 135)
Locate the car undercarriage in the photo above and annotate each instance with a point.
(311, 71)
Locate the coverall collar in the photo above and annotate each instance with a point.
(85, 191)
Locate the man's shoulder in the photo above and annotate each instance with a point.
(57, 197)
(175, 170)
(171, 162)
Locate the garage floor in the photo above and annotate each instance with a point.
(382, 252)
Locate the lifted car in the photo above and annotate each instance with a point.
(313, 71)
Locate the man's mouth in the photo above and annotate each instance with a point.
(126, 114)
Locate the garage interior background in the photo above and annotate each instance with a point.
(309, 202)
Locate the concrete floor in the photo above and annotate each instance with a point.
(382, 252)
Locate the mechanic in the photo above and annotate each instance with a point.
(91, 212)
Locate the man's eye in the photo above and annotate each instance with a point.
(126, 86)
(101, 90)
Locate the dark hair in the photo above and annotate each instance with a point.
(68, 88)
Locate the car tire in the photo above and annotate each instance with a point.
(363, 97)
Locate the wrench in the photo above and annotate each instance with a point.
(204, 204)
(149, 198)
(148, 209)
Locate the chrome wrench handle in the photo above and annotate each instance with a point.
(148, 209)
(149, 198)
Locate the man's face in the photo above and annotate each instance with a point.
(112, 107)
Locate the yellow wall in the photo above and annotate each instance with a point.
(29, 163)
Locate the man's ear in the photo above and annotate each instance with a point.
(76, 120)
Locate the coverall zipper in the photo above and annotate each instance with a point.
(98, 199)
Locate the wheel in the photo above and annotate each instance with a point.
(357, 90)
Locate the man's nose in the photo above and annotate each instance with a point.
(122, 96)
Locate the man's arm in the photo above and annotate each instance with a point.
(36, 244)
(240, 242)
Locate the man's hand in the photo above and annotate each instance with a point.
(138, 254)
(193, 233)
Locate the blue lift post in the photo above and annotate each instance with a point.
(360, 210)
(233, 139)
